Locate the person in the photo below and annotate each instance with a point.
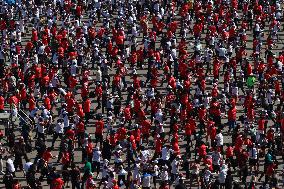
(57, 183)
(75, 176)
(20, 151)
(8, 179)
(2, 152)
(96, 160)
(10, 167)
(16, 184)
(59, 130)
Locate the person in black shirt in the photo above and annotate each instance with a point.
(229, 180)
(106, 150)
(8, 180)
(75, 176)
(30, 177)
(40, 148)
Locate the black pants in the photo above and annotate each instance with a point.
(18, 162)
(96, 166)
(55, 136)
(75, 185)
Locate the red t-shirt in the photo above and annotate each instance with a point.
(99, 127)
(57, 183)
(202, 150)
(2, 103)
(87, 106)
(46, 156)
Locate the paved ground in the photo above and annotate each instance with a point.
(142, 74)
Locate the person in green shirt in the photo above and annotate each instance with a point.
(87, 172)
(88, 167)
(250, 81)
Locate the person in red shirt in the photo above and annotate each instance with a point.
(47, 156)
(99, 131)
(57, 183)
(230, 155)
(232, 116)
(2, 103)
(90, 183)
(16, 184)
(32, 103)
(47, 102)
(87, 109)
(202, 151)
(202, 114)
(80, 131)
(121, 133)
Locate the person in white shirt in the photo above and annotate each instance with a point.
(145, 155)
(253, 157)
(105, 168)
(96, 160)
(136, 173)
(66, 121)
(59, 130)
(216, 160)
(121, 176)
(27, 166)
(207, 176)
(41, 128)
(175, 168)
(159, 116)
(166, 154)
(10, 166)
(164, 175)
(222, 175)
(156, 173)
(219, 139)
(146, 181)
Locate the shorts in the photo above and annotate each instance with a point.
(252, 162)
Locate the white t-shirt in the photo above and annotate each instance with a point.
(27, 166)
(59, 128)
(146, 182)
(253, 153)
(40, 128)
(219, 139)
(164, 175)
(165, 153)
(10, 165)
(222, 176)
(216, 158)
(97, 156)
(174, 165)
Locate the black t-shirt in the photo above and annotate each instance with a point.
(75, 175)
(180, 186)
